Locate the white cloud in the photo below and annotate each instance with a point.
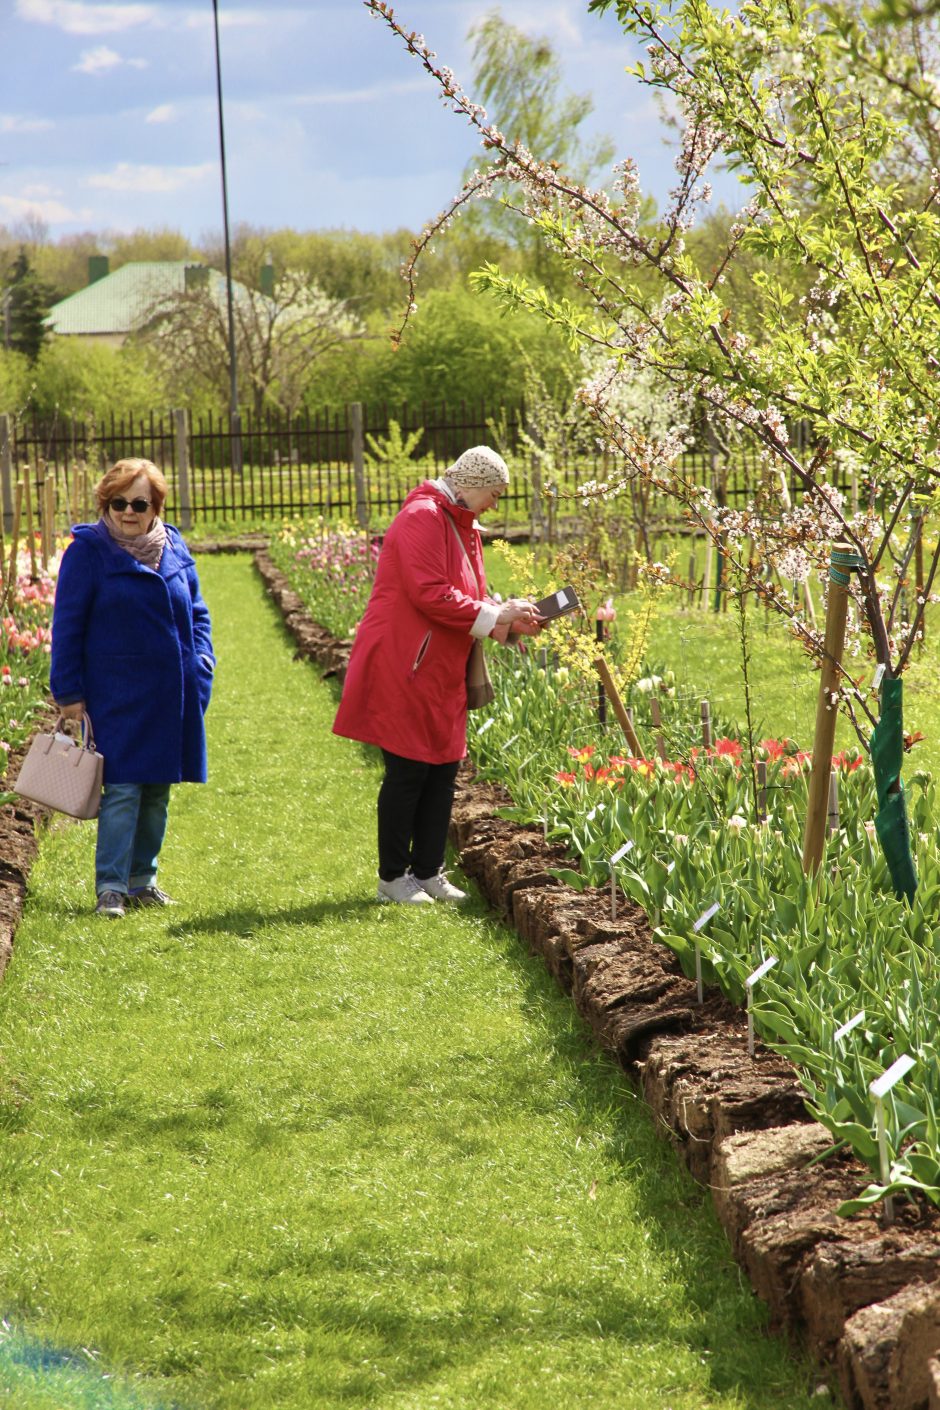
(164, 113)
(97, 60)
(49, 210)
(77, 17)
(362, 95)
(150, 179)
(233, 19)
(10, 122)
(102, 59)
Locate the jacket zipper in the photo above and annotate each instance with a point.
(422, 652)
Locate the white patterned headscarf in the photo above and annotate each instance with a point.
(479, 468)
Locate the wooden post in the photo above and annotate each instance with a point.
(51, 511)
(613, 695)
(6, 469)
(42, 508)
(357, 448)
(706, 713)
(13, 575)
(181, 447)
(826, 714)
(30, 526)
(657, 718)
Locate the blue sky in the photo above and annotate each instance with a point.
(108, 117)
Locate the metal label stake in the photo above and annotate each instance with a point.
(749, 984)
(703, 919)
(880, 1089)
(617, 857)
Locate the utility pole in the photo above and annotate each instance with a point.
(234, 418)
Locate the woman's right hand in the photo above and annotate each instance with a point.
(75, 711)
(520, 615)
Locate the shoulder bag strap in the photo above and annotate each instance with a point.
(465, 553)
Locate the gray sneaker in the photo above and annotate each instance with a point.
(406, 890)
(111, 904)
(149, 896)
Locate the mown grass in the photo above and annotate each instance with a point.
(280, 1147)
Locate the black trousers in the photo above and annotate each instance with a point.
(415, 803)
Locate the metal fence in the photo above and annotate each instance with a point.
(334, 463)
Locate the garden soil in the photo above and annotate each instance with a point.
(864, 1296)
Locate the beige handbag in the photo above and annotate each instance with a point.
(63, 773)
(480, 690)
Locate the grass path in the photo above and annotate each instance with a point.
(282, 1149)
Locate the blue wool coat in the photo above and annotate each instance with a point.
(135, 644)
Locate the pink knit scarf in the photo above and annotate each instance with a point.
(146, 548)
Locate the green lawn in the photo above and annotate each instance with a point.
(280, 1147)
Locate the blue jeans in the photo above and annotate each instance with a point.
(131, 828)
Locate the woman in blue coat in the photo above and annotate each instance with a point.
(132, 646)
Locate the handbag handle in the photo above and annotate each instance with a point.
(88, 735)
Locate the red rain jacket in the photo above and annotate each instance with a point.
(405, 689)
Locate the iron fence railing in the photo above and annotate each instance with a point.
(332, 462)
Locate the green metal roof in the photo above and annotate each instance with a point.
(122, 301)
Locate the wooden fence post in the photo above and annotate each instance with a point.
(358, 452)
(181, 451)
(6, 469)
(817, 808)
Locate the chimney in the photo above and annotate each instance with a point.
(266, 282)
(97, 268)
(195, 276)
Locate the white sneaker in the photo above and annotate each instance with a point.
(440, 889)
(406, 890)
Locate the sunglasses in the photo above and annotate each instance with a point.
(138, 505)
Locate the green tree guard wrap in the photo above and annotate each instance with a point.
(891, 825)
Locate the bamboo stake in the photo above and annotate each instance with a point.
(707, 576)
(833, 813)
(761, 790)
(919, 575)
(826, 715)
(30, 527)
(706, 713)
(657, 717)
(613, 695)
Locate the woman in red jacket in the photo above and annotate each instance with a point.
(405, 689)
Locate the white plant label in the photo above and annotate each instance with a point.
(883, 1084)
(878, 677)
(760, 971)
(847, 1028)
(621, 853)
(487, 724)
(706, 916)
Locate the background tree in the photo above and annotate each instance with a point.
(279, 339)
(772, 89)
(25, 303)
